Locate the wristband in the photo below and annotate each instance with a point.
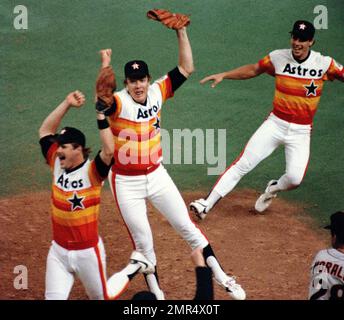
(102, 124)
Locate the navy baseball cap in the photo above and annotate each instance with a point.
(136, 69)
(71, 135)
(337, 225)
(303, 30)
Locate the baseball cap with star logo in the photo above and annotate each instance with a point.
(136, 69)
(303, 30)
(71, 135)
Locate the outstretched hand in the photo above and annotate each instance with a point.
(216, 78)
(105, 55)
(76, 99)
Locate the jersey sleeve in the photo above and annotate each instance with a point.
(169, 83)
(114, 110)
(49, 147)
(335, 71)
(98, 170)
(266, 65)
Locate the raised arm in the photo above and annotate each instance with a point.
(52, 121)
(106, 137)
(245, 72)
(185, 63)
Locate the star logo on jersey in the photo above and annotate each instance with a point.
(76, 201)
(135, 66)
(156, 125)
(302, 26)
(311, 89)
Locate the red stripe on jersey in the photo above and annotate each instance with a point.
(76, 238)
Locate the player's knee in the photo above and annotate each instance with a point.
(246, 163)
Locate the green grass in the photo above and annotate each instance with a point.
(58, 53)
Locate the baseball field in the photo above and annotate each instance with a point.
(57, 53)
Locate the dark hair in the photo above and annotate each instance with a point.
(85, 151)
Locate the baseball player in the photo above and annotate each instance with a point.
(76, 248)
(138, 173)
(299, 79)
(327, 270)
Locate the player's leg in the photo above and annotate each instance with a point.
(165, 196)
(59, 278)
(130, 193)
(263, 142)
(297, 150)
(90, 267)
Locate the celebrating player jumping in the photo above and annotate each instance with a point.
(299, 78)
(76, 248)
(138, 173)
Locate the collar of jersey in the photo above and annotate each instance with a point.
(303, 60)
(75, 168)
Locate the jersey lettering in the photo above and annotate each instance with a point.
(144, 114)
(65, 183)
(300, 71)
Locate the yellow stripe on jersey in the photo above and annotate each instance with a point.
(294, 102)
(77, 214)
(77, 221)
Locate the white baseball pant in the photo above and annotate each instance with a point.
(89, 265)
(271, 134)
(131, 192)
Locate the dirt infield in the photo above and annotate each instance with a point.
(270, 254)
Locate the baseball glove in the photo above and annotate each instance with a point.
(170, 20)
(105, 87)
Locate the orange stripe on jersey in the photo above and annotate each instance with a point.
(129, 134)
(297, 87)
(135, 145)
(266, 65)
(166, 88)
(335, 71)
(62, 195)
(95, 178)
(293, 102)
(75, 214)
(77, 222)
(67, 206)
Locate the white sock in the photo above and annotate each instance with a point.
(212, 199)
(131, 268)
(219, 274)
(153, 284)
